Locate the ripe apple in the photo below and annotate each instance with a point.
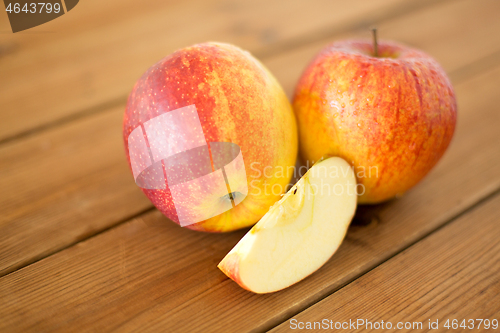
(234, 100)
(299, 233)
(391, 116)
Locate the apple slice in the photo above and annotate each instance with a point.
(299, 233)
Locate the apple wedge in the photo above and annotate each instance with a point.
(299, 233)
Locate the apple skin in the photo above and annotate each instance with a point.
(238, 101)
(230, 266)
(395, 114)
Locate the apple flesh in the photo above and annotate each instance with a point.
(237, 101)
(392, 116)
(299, 233)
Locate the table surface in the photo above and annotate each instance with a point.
(82, 249)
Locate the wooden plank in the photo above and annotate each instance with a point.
(62, 186)
(38, 197)
(152, 275)
(97, 51)
(452, 274)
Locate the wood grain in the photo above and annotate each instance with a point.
(452, 274)
(91, 188)
(93, 55)
(151, 275)
(62, 186)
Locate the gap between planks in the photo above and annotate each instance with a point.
(158, 287)
(346, 298)
(476, 206)
(271, 51)
(459, 75)
(281, 71)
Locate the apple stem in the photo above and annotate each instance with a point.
(375, 43)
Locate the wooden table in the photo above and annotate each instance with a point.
(82, 249)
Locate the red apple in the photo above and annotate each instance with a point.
(392, 116)
(207, 131)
